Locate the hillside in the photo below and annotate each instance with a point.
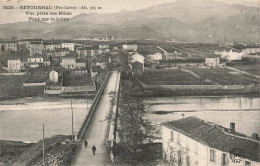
(197, 21)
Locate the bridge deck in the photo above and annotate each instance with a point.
(98, 129)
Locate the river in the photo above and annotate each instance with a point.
(22, 119)
(243, 111)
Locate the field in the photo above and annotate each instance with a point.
(250, 68)
(194, 50)
(148, 49)
(170, 77)
(77, 80)
(224, 76)
(12, 86)
(205, 76)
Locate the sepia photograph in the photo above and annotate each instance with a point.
(129, 83)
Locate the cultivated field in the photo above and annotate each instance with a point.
(170, 77)
(12, 86)
(224, 76)
(250, 68)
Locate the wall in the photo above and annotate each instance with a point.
(201, 156)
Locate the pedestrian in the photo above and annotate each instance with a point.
(94, 149)
(86, 143)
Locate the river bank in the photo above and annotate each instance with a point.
(59, 150)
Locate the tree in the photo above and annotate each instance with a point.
(51, 60)
(2, 48)
(134, 129)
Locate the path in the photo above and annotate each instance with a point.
(97, 130)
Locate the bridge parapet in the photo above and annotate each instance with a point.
(92, 109)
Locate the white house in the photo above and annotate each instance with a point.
(195, 142)
(251, 50)
(53, 76)
(157, 56)
(103, 46)
(48, 46)
(69, 45)
(14, 65)
(132, 47)
(36, 47)
(35, 61)
(9, 45)
(69, 62)
(212, 62)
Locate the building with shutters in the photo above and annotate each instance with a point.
(192, 142)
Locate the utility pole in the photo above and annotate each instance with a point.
(43, 157)
(72, 120)
(87, 99)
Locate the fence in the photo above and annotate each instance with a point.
(92, 109)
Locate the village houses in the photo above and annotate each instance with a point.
(69, 62)
(35, 61)
(68, 44)
(212, 62)
(130, 47)
(8, 45)
(14, 65)
(192, 141)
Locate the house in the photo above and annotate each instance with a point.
(60, 52)
(68, 44)
(192, 141)
(80, 63)
(69, 62)
(35, 61)
(53, 76)
(103, 46)
(8, 45)
(87, 52)
(132, 47)
(48, 46)
(47, 62)
(212, 62)
(157, 56)
(248, 51)
(36, 47)
(14, 65)
(138, 68)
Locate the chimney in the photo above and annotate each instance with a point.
(183, 116)
(232, 126)
(255, 136)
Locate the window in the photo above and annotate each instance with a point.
(224, 159)
(196, 148)
(247, 163)
(171, 154)
(172, 138)
(187, 160)
(178, 140)
(212, 155)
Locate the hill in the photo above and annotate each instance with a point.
(196, 21)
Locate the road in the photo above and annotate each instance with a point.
(98, 129)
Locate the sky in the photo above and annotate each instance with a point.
(107, 6)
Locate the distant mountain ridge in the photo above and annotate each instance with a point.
(183, 20)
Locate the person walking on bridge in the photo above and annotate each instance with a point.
(86, 143)
(94, 150)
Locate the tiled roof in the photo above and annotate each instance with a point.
(216, 136)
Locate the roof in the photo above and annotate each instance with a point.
(36, 56)
(80, 61)
(216, 136)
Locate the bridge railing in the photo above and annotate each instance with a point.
(92, 109)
